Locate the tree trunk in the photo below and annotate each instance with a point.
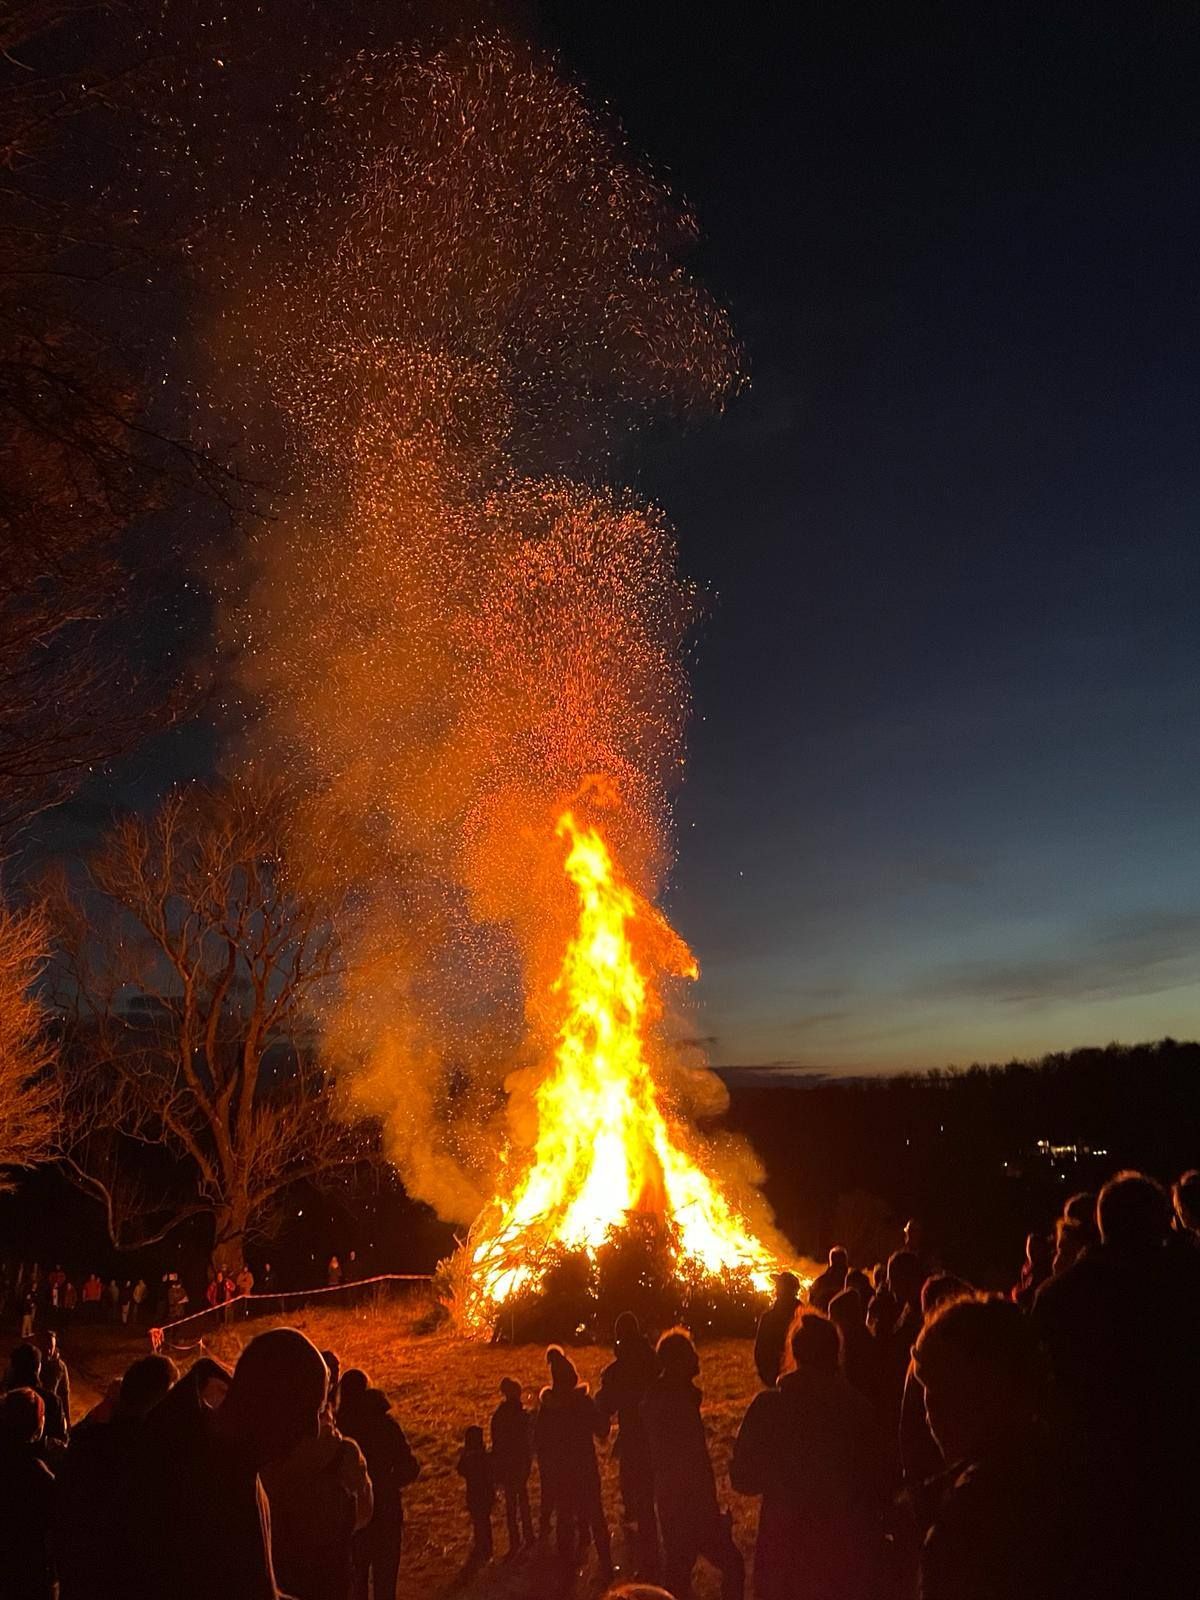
(228, 1251)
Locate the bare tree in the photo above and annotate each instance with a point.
(190, 971)
(28, 1098)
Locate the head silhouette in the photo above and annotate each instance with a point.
(1133, 1213)
(676, 1353)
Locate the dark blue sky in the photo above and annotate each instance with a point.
(942, 796)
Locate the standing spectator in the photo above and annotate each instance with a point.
(70, 1301)
(55, 1282)
(316, 1481)
(27, 1493)
(685, 1490)
(99, 1527)
(566, 1425)
(859, 1359)
(333, 1273)
(137, 1299)
(475, 1468)
(364, 1415)
(25, 1372)
(55, 1376)
(859, 1281)
(177, 1298)
(896, 1332)
(28, 1313)
(125, 1301)
(982, 1372)
(267, 1279)
(93, 1291)
(770, 1341)
(624, 1385)
(920, 1458)
(113, 1294)
(830, 1282)
(810, 1449)
(512, 1459)
(207, 1531)
(244, 1282)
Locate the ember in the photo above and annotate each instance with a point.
(605, 1149)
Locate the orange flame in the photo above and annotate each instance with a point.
(604, 1148)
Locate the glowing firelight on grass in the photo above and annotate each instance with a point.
(604, 1148)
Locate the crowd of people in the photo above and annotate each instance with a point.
(912, 1436)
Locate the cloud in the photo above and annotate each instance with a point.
(1147, 953)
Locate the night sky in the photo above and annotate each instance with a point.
(941, 798)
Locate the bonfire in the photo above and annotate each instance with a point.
(608, 1158)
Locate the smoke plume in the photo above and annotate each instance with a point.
(454, 621)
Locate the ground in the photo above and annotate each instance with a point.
(439, 1385)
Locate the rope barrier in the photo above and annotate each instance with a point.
(247, 1305)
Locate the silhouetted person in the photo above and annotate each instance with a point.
(1006, 1526)
(1185, 1198)
(365, 1415)
(512, 1462)
(475, 1469)
(1120, 1328)
(770, 1341)
(55, 1377)
(810, 1449)
(830, 1282)
(100, 1522)
(25, 1372)
(859, 1281)
(860, 1356)
(624, 1384)
(920, 1458)
(27, 1494)
(898, 1323)
(1081, 1207)
(565, 1428)
(316, 1486)
(1035, 1269)
(685, 1491)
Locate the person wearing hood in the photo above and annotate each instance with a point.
(223, 1543)
(364, 1415)
(512, 1459)
(624, 1384)
(810, 1449)
(685, 1490)
(313, 1477)
(568, 1422)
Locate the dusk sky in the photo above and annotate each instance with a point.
(941, 802)
(941, 797)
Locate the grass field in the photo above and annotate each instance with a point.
(439, 1385)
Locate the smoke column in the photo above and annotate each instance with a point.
(454, 618)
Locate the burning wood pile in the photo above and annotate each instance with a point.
(608, 1189)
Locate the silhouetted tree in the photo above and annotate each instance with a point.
(189, 973)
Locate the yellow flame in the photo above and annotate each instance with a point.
(604, 1148)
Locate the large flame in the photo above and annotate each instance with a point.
(604, 1148)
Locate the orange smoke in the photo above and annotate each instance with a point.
(465, 296)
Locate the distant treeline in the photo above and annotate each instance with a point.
(980, 1155)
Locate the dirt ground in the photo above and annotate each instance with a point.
(439, 1385)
